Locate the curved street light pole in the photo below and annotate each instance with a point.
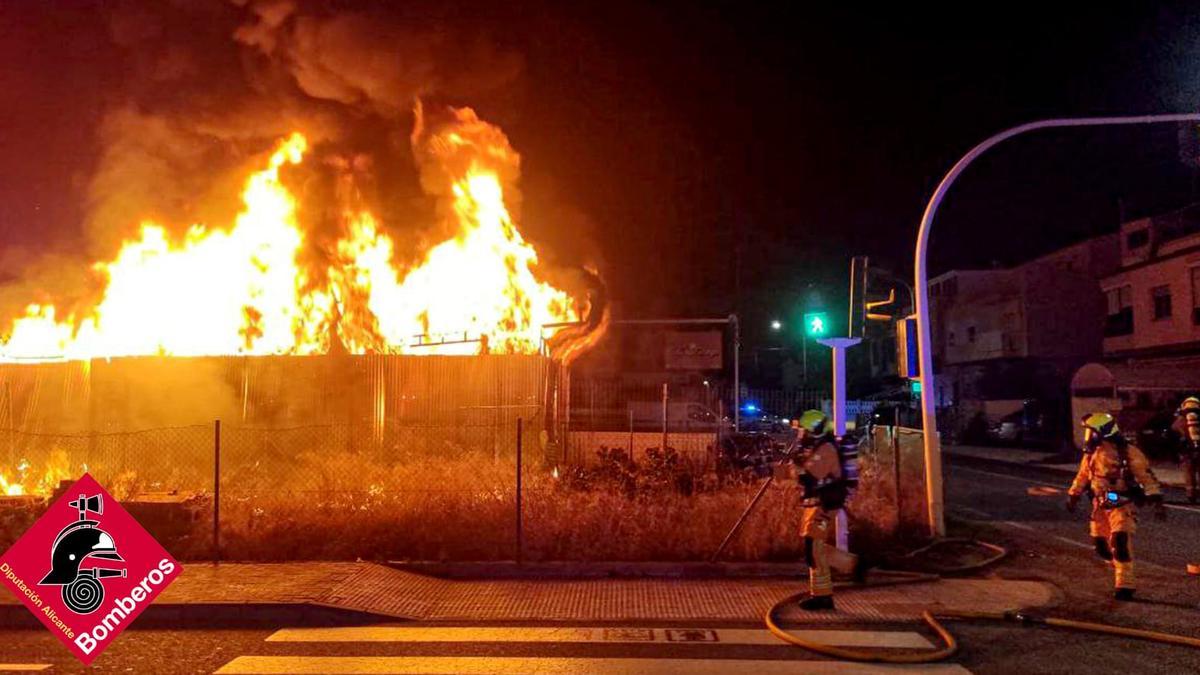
(933, 453)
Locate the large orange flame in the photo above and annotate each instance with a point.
(28, 480)
(241, 290)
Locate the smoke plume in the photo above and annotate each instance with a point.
(211, 85)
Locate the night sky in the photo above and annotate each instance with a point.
(666, 143)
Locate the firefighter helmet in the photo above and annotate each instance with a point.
(74, 544)
(1098, 427)
(1190, 403)
(814, 422)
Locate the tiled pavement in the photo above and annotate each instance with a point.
(387, 592)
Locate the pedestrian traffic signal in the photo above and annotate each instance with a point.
(816, 324)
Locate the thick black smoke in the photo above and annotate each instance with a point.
(208, 87)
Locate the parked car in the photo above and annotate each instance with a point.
(1151, 431)
(889, 413)
(1028, 426)
(681, 416)
(757, 419)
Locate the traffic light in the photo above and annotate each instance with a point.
(816, 324)
(856, 327)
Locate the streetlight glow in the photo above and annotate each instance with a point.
(775, 324)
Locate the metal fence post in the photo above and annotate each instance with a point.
(896, 467)
(520, 534)
(216, 492)
(630, 432)
(665, 403)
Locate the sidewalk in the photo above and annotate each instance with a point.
(1168, 472)
(300, 593)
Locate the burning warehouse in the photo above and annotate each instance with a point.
(227, 324)
(311, 301)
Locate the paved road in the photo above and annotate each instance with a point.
(1021, 508)
(1031, 500)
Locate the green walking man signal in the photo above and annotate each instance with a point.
(816, 324)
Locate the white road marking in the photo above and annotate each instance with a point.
(1004, 475)
(623, 635)
(983, 514)
(479, 665)
(1020, 526)
(1176, 507)
(1072, 542)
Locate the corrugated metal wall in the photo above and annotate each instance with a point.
(376, 391)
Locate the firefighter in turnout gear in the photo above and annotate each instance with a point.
(1187, 425)
(824, 491)
(1117, 477)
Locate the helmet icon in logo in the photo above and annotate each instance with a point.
(81, 588)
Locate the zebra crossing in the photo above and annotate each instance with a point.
(436, 650)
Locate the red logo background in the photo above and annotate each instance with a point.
(29, 560)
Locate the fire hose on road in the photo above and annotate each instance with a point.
(951, 644)
(930, 618)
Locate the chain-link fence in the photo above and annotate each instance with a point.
(439, 493)
(392, 458)
(320, 491)
(694, 418)
(128, 463)
(314, 457)
(891, 500)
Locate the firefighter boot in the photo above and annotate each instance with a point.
(820, 578)
(817, 603)
(1123, 566)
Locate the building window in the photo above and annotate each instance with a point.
(950, 339)
(971, 334)
(1195, 271)
(1119, 320)
(1160, 296)
(1137, 238)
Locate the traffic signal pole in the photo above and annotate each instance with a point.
(838, 347)
(933, 451)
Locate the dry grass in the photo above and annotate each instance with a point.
(349, 505)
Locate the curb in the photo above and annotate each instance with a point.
(221, 615)
(511, 569)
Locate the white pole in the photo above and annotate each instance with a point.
(838, 348)
(933, 451)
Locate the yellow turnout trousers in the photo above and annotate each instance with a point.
(1105, 524)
